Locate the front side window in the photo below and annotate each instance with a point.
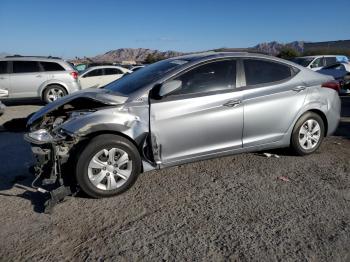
(261, 72)
(96, 72)
(50, 66)
(215, 76)
(3, 67)
(25, 67)
(318, 62)
(113, 71)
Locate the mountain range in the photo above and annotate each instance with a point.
(271, 48)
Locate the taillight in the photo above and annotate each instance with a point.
(74, 74)
(332, 85)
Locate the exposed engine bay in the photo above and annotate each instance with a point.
(58, 135)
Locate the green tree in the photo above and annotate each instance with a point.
(152, 58)
(288, 53)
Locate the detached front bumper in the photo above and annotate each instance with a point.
(50, 160)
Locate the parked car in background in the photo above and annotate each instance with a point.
(135, 68)
(3, 93)
(99, 76)
(81, 67)
(2, 108)
(37, 77)
(181, 110)
(340, 72)
(315, 63)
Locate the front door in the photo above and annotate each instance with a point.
(201, 118)
(91, 79)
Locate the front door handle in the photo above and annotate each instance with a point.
(232, 103)
(299, 88)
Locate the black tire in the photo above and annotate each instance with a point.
(295, 144)
(97, 144)
(50, 88)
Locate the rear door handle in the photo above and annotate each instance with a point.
(232, 103)
(299, 88)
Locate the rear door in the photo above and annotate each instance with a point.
(92, 78)
(202, 118)
(110, 75)
(4, 79)
(25, 79)
(273, 96)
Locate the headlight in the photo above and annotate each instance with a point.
(41, 135)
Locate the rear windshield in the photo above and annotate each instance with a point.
(133, 82)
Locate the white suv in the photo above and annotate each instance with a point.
(37, 77)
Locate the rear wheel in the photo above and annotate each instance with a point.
(53, 92)
(307, 134)
(108, 166)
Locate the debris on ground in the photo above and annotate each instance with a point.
(271, 155)
(284, 178)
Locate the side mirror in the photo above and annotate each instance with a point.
(169, 87)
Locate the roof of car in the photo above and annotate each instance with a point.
(106, 66)
(32, 58)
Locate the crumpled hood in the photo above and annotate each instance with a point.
(100, 95)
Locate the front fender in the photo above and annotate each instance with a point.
(121, 120)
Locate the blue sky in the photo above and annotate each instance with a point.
(77, 28)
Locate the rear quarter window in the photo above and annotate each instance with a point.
(51, 66)
(259, 72)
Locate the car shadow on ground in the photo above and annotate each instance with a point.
(16, 161)
(22, 102)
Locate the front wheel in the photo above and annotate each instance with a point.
(307, 134)
(108, 166)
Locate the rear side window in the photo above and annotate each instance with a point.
(96, 72)
(330, 60)
(215, 76)
(25, 67)
(261, 72)
(112, 71)
(3, 67)
(51, 66)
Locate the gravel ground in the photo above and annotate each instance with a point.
(232, 208)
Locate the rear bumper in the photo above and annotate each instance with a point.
(333, 114)
(74, 87)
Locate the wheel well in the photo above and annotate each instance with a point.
(42, 93)
(108, 132)
(324, 118)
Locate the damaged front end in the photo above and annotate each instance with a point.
(57, 131)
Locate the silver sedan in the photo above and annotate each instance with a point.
(181, 110)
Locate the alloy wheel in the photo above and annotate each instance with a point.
(109, 168)
(309, 134)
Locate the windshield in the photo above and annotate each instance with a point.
(303, 61)
(131, 83)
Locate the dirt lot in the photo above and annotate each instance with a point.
(232, 208)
